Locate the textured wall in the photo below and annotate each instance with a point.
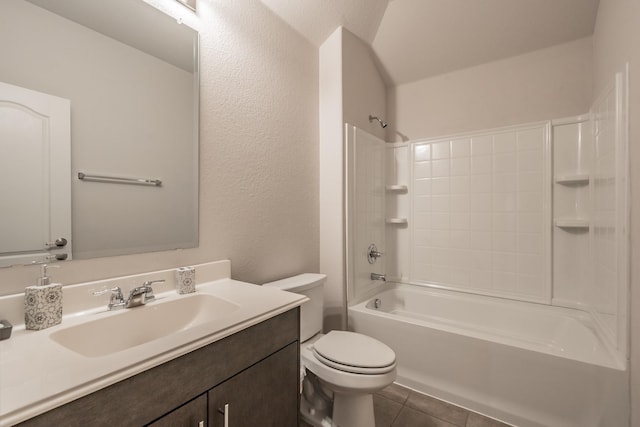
(549, 83)
(259, 143)
(258, 155)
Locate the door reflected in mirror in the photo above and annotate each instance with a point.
(130, 75)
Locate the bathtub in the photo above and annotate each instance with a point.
(529, 365)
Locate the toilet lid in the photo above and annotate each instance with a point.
(353, 352)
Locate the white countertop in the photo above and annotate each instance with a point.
(37, 374)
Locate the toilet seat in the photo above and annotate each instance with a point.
(354, 353)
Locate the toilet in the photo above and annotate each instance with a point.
(350, 366)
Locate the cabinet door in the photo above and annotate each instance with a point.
(192, 414)
(264, 395)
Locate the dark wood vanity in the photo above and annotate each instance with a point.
(254, 373)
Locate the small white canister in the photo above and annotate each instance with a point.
(186, 280)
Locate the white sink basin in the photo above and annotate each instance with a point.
(131, 327)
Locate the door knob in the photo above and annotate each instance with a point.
(60, 242)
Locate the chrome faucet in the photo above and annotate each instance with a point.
(378, 276)
(140, 295)
(117, 299)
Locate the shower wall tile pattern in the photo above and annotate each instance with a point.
(478, 213)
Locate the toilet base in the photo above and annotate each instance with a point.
(353, 410)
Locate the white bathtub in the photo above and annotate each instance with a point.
(525, 364)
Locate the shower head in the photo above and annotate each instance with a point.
(372, 118)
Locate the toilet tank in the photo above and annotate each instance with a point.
(311, 285)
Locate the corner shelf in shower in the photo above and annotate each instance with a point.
(575, 223)
(573, 179)
(397, 221)
(396, 188)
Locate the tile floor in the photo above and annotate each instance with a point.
(396, 406)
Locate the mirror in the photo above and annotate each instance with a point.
(129, 73)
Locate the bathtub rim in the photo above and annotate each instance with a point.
(585, 318)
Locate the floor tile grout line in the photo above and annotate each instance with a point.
(435, 416)
(393, 401)
(467, 412)
(396, 417)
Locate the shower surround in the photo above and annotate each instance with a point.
(529, 218)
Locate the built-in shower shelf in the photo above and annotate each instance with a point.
(397, 221)
(573, 179)
(396, 188)
(572, 223)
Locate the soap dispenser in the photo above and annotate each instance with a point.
(43, 303)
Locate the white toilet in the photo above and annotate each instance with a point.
(351, 366)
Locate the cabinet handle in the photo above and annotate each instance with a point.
(225, 412)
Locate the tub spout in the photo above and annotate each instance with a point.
(378, 276)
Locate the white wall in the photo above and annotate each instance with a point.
(351, 88)
(616, 40)
(259, 142)
(332, 181)
(363, 87)
(258, 155)
(545, 84)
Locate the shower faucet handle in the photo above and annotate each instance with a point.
(373, 254)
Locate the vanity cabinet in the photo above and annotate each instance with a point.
(258, 396)
(254, 372)
(192, 414)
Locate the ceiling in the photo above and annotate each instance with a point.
(416, 39)
(317, 19)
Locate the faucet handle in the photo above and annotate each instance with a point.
(117, 299)
(148, 283)
(148, 290)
